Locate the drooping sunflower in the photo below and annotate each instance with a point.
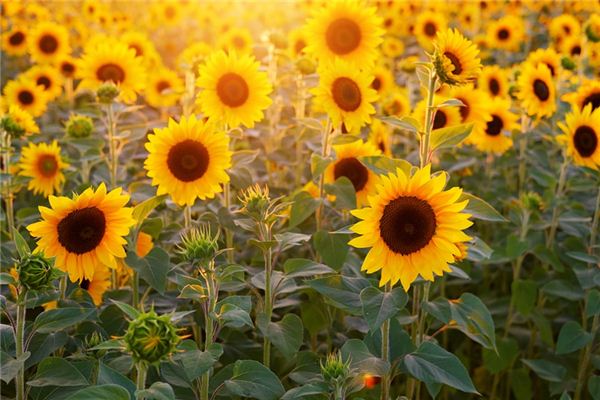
(346, 29)
(427, 26)
(188, 160)
(97, 285)
(44, 165)
(26, 94)
(496, 138)
(507, 33)
(48, 77)
(21, 121)
(381, 136)
(164, 88)
(48, 41)
(581, 136)
(345, 93)
(536, 90)
(475, 108)
(347, 164)
(456, 59)
(549, 57)
(412, 227)
(234, 91)
(587, 93)
(84, 232)
(112, 61)
(493, 80)
(14, 42)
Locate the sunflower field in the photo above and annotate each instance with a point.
(300, 199)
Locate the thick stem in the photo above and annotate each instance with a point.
(8, 194)
(228, 232)
(385, 352)
(324, 153)
(212, 293)
(585, 359)
(112, 145)
(142, 370)
(187, 215)
(268, 298)
(429, 116)
(19, 348)
(562, 179)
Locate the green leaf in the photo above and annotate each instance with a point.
(54, 371)
(520, 384)
(343, 190)
(592, 303)
(594, 386)
(318, 164)
(304, 268)
(7, 279)
(42, 345)
(474, 319)
(572, 337)
(546, 370)
(406, 123)
(252, 379)
(128, 310)
(432, 364)
(524, 296)
(382, 165)
(362, 359)
(142, 210)
(286, 335)
(195, 362)
(21, 244)
(110, 376)
(303, 206)
(480, 209)
(450, 136)
(565, 396)
(101, 392)
(585, 257)
(332, 247)
(157, 391)
(451, 103)
(515, 247)
(234, 316)
(508, 350)
(311, 390)
(112, 344)
(341, 291)
(564, 289)
(60, 318)
(380, 306)
(153, 268)
(11, 366)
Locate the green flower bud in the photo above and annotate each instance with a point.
(107, 93)
(567, 63)
(532, 201)
(335, 371)
(199, 245)
(592, 35)
(306, 66)
(79, 126)
(255, 202)
(151, 338)
(36, 273)
(12, 127)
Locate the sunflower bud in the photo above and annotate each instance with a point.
(199, 245)
(35, 272)
(12, 127)
(107, 93)
(568, 63)
(532, 201)
(306, 66)
(151, 338)
(592, 28)
(335, 371)
(408, 64)
(79, 126)
(256, 202)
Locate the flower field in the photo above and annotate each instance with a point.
(300, 199)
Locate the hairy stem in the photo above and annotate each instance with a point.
(19, 347)
(385, 352)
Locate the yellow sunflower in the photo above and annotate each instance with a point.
(297, 43)
(97, 285)
(536, 90)
(392, 47)
(427, 26)
(85, 232)
(412, 227)
(48, 77)
(44, 165)
(456, 59)
(581, 136)
(164, 88)
(67, 67)
(444, 116)
(347, 164)
(234, 91)
(592, 28)
(507, 33)
(48, 41)
(563, 26)
(381, 136)
(398, 103)
(237, 40)
(193, 55)
(495, 138)
(26, 94)
(587, 93)
(345, 93)
(383, 80)
(14, 42)
(25, 124)
(188, 160)
(142, 46)
(493, 80)
(571, 46)
(346, 29)
(112, 61)
(549, 57)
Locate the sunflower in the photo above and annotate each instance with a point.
(112, 61)
(164, 88)
(427, 26)
(495, 138)
(507, 33)
(347, 164)
(536, 90)
(237, 40)
(191, 57)
(26, 94)
(571, 46)
(188, 160)
(48, 41)
(564, 26)
(142, 46)
(592, 28)
(14, 42)
(412, 227)
(444, 116)
(475, 109)
(493, 80)
(398, 103)
(380, 135)
(47, 76)
(346, 29)
(456, 58)
(97, 285)
(85, 232)
(392, 47)
(168, 12)
(297, 43)
(587, 93)
(383, 80)
(21, 121)
(67, 67)
(235, 91)
(549, 57)
(44, 165)
(345, 93)
(581, 136)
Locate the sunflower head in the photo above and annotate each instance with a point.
(335, 370)
(151, 338)
(18, 122)
(455, 58)
(35, 272)
(536, 90)
(199, 245)
(581, 136)
(256, 202)
(79, 126)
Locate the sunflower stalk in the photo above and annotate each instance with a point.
(140, 380)
(268, 295)
(8, 194)
(326, 133)
(19, 343)
(385, 352)
(212, 295)
(585, 359)
(429, 117)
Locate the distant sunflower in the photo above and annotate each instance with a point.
(238, 40)
(188, 160)
(25, 124)
(571, 46)
(507, 33)
(564, 26)
(412, 227)
(398, 103)
(381, 136)
(444, 116)
(48, 41)
(549, 57)
(581, 136)
(97, 285)
(536, 90)
(587, 93)
(345, 93)
(44, 165)
(26, 94)
(392, 47)
(142, 46)
(112, 61)
(67, 67)
(14, 42)
(48, 77)
(493, 80)
(234, 91)
(496, 136)
(383, 80)
(475, 108)
(86, 232)
(427, 26)
(164, 88)
(456, 59)
(297, 43)
(346, 29)
(347, 164)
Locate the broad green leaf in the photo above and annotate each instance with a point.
(524, 295)
(157, 391)
(495, 362)
(303, 206)
(594, 386)
(341, 291)
(54, 371)
(478, 250)
(592, 304)
(450, 136)
(564, 289)
(110, 376)
(332, 247)
(383, 165)
(42, 345)
(60, 318)
(547, 370)
(480, 209)
(128, 310)
(343, 190)
(233, 316)
(431, 363)
(585, 257)
(318, 164)
(451, 103)
(21, 244)
(565, 396)
(153, 268)
(515, 247)
(11, 366)
(344, 139)
(7, 279)
(196, 362)
(406, 123)
(520, 384)
(314, 314)
(252, 379)
(142, 210)
(286, 335)
(572, 337)
(101, 392)
(304, 268)
(362, 359)
(380, 306)
(311, 390)
(474, 319)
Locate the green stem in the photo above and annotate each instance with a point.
(62, 286)
(324, 153)
(112, 145)
(142, 370)
(562, 179)
(300, 112)
(268, 297)
(429, 116)
(228, 232)
(19, 348)
(212, 294)
(8, 194)
(187, 215)
(385, 352)
(585, 359)
(135, 283)
(523, 152)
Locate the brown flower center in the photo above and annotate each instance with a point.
(494, 127)
(47, 165)
(352, 169)
(188, 160)
(85, 284)
(82, 230)
(440, 120)
(232, 89)
(25, 97)
(407, 224)
(343, 36)
(455, 62)
(162, 85)
(137, 48)
(503, 34)
(16, 38)
(430, 29)
(541, 90)
(346, 94)
(67, 68)
(494, 86)
(376, 84)
(593, 99)
(44, 81)
(585, 140)
(48, 44)
(110, 72)
(576, 50)
(464, 110)
(299, 46)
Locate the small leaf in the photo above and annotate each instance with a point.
(547, 370)
(480, 209)
(450, 136)
(380, 306)
(286, 335)
(341, 291)
(21, 244)
(572, 337)
(592, 304)
(406, 123)
(7, 279)
(303, 206)
(343, 190)
(474, 319)
(332, 247)
(142, 210)
(157, 391)
(303, 268)
(524, 296)
(131, 312)
(495, 362)
(362, 359)
(451, 103)
(252, 379)
(11, 366)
